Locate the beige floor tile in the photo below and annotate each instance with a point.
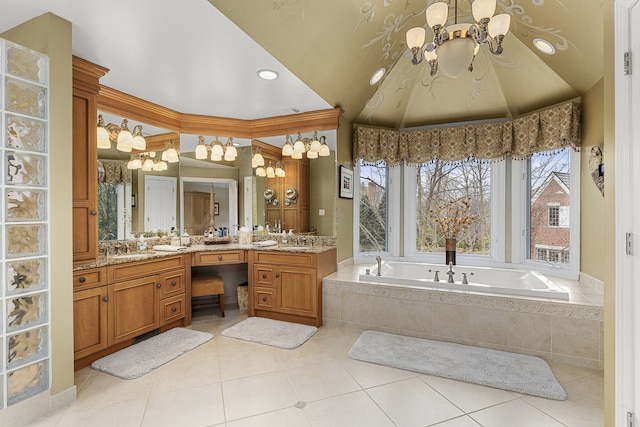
(412, 402)
(183, 373)
(464, 421)
(102, 389)
(515, 412)
(81, 376)
(311, 353)
(466, 396)
(231, 345)
(348, 410)
(194, 407)
(372, 375)
(320, 381)
(293, 417)
(240, 364)
(246, 397)
(592, 386)
(208, 349)
(122, 414)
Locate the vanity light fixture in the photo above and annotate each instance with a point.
(134, 163)
(271, 172)
(230, 152)
(257, 159)
(201, 149)
(148, 164)
(314, 147)
(125, 139)
(279, 171)
(170, 155)
(139, 142)
(103, 135)
(219, 151)
(260, 171)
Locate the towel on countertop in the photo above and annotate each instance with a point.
(169, 248)
(265, 243)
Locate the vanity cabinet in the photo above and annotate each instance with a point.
(288, 285)
(115, 304)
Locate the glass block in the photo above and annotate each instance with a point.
(24, 133)
(27, 382)
(25, 98)
(26, 276)
(26, 347)
(25, 205)
(1, 392)
(26, 311)
(26, 63)
(25, 240)
(25, 169)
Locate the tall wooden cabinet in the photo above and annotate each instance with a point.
(296, 212)
(197, 212)
(85, 173)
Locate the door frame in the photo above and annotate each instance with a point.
(625, 158)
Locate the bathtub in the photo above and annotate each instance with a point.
(527, 283)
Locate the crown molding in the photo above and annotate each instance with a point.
(293, 123)
(86, 75)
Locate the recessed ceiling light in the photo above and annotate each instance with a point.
(267, 74)
(377, 76)
(544, 46)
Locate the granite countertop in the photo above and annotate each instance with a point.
(104, 261)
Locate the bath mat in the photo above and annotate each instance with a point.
(275, 333)
(143, 357)
(493, 368)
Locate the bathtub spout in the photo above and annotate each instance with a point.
(379, 261)
(450, 273)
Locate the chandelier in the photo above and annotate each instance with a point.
(218, 150)
(455, 46)
(314, 147)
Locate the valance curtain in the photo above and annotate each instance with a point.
(551, 129)
(115, 172)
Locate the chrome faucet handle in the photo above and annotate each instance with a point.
(464, 279)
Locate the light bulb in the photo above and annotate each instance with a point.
(139, 142)
(312, 154)
(296, 155)
(287, 149)
(201, 149)
(147, 165)
(261, 172)
(125, 139)
(103, 135)
(315, 144)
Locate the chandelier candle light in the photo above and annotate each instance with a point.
(455, 46)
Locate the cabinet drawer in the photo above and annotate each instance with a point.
(131, 270)
(285, 258)
(85, 279)
(265, 299)
(172, 309)
(172, 284)
(218, 257)
(263, 275)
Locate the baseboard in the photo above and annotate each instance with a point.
(64, 398)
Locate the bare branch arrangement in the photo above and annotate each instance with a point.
(452, 217)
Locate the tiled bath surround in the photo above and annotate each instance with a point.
(565, 332)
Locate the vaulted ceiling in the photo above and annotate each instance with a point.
(334, 46)
(201, 57)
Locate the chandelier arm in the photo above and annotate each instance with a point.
(417, 55)
(497, 50)
(434, 67)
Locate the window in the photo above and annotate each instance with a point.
(114, 214)
(554, 216)
(373, 215)
(439, 181)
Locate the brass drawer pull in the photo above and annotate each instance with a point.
(219, 257)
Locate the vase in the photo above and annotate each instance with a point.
(450, 251)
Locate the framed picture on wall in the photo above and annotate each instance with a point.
(216, 208)
(346, 182)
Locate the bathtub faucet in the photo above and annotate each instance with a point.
(435, 277)
(379, 261)
(450, 273)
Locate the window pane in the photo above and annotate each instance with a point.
(549, 206)
(438, 181)
(108, 211)
(373, 208)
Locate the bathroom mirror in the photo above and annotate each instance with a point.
(135, 201)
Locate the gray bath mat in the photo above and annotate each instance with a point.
(271, 332)
(140, 359)
(493, 368)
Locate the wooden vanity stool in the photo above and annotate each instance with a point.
(208, 286)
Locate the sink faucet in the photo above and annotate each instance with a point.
(379, 261)
(450, 273)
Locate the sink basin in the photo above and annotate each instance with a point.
(126, 256)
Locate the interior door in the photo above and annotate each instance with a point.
(159, 202)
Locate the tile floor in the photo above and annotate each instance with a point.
(232, 383)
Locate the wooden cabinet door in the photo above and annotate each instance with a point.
(85, 177)
(296, 291)
(133, 308)
(89, 321)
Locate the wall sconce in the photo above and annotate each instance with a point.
(257, 159)
(147, 162)
(170, 155)
(314, 147)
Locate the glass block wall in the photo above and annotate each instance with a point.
(24, 227)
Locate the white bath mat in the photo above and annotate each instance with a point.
(271, 332)
(143, 357)
(493, 368)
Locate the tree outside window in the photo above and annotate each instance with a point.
(373, 208)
